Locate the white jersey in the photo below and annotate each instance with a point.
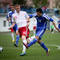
(20, 18)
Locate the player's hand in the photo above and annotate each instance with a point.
(9, 28)
(59, 30)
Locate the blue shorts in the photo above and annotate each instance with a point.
(15, 28)
(40, 32)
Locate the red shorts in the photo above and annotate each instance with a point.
(24, 31)
(12, 30)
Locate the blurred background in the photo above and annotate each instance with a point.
(50, 7)
(30, 5)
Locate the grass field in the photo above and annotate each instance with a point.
(35, 52)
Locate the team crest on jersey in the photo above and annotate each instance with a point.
(39, 20)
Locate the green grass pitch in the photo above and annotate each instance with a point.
(35, 52)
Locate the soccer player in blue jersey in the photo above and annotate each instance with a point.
(9, 18)
(15, 28)
(41, 28)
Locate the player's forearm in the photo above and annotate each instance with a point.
(28, 21)
(8, 19)
(55, 26)
(12, 25)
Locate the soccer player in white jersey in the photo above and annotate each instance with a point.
(21, 18)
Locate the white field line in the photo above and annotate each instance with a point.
(58, 46)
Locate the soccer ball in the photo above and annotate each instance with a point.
(1, 49)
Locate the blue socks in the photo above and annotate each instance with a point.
(43, 46)
(41, 43)
(17, 39)
(32, 42)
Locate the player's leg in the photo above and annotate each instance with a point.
(34, 32)
(38, 34)
(32, 42)
(30, 38)
(17, 35)
(24, 35)
(41, 43)
(24, 48)
(12, 31)
(17, 38)
(44, 47)
(23, 51)
(12, 34)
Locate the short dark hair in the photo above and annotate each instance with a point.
(11, 4)
(39, 10)
(17, 4)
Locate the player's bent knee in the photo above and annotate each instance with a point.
(17, 33)
(37, 37)
(23, 37)
(39, 41)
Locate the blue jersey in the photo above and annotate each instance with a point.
(41, 24)
(10, 15)
(42, 20)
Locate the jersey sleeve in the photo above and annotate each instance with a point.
(32, 15)
(26, 15)
(48, 18)
(7, 16)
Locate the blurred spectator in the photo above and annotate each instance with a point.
(5, 6)
(28, 9)
(1, 8)
(44, 8)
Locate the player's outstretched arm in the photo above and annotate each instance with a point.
(55, 26)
